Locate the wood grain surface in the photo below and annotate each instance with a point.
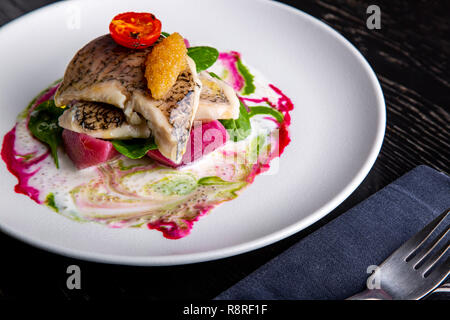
(410, 55)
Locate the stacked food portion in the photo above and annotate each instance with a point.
(145, 130)
(113, 92)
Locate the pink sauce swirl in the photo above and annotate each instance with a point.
(16, 163)
(229, 61)
(20, 167)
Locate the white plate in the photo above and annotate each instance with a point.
(337, 131)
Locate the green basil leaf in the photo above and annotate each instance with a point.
(44, 126)
(204, 57)
(266, 110)
(165, 34)
(134, 148)
(240, 128)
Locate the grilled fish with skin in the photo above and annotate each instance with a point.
(103, 71)
(217, 99)
(170, 119)
(101, 120)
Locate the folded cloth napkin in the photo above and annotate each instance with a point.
(332, 262)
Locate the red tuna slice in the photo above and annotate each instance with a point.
(205, 138)
(86, 151)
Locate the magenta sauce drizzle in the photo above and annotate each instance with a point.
(20, 167)
(229, 61)
(284, 105)
(171, 230)
(17, 163)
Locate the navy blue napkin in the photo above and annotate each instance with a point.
(332, 262)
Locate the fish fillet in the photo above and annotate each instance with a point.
(217, 99)
(103, 71)
(101, 120)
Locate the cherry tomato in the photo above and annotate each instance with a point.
(135, 30)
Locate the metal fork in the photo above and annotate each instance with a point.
(408, 273)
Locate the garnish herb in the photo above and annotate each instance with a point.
(249, 87)
(44, 126)
(50, 202)
(212, 74)
(204, 57)
(239, 128)
(213, 180)
(266, 110)
(134, 148)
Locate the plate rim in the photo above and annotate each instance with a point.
(178, 259)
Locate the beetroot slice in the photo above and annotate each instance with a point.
(86, 151)
(205, 137)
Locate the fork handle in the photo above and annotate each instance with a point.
(372, 294)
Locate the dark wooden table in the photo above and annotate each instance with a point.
(410, 55)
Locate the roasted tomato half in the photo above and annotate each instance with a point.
(135, 30)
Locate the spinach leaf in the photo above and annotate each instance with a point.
(44, 126)
(266, 110)
(240, 128)
(204, 57)
(24, 113)
(134, 148)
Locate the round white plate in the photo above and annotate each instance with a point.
(337, 125)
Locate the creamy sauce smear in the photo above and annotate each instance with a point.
(141, 193)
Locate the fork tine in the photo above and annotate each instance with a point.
(431, 262)
(438, 275)
(417, 240)
(423, 253)
(442, 271)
